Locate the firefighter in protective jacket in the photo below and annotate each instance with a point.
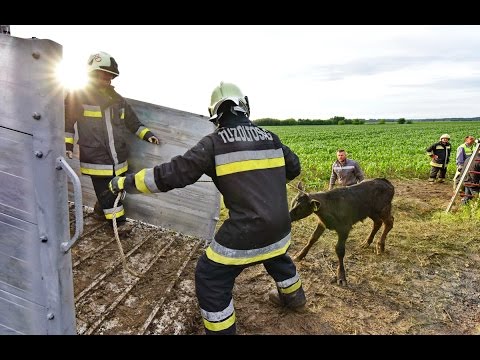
(102, 117)
(440, 155)
(250, 167)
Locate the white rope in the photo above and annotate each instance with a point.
(115, 231)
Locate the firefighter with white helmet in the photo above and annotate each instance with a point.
(102, 117)
(103, 62)
(440, 157)
(250, 167)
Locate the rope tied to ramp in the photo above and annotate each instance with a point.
(121, 195)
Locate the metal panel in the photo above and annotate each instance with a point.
(36, 287)
(16, 175)
(192, 210)
(20, 267)
(20, 316)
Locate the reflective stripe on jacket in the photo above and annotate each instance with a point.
(443, 153)
(102, 119)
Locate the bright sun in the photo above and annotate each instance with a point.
(71, 74)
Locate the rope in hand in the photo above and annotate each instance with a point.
(115, 231)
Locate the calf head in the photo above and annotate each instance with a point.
(302, 205)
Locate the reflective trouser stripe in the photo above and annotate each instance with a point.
(120, 211)
(289, 285)
(292, 288)
(221, 325)
(219, 320)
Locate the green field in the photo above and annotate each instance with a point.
(394, 151)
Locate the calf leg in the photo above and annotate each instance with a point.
(388, 225)
(313, 239)
(340, 250)
(377, 223)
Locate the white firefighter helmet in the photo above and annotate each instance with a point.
(225, 92)
(445, 136)
(103, 62)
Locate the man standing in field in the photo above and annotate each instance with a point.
(347, 171)
(440, 155)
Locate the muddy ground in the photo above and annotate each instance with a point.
(425, 283)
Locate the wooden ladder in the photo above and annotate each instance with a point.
(468, 169)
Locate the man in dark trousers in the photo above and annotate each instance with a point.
(250, 167)
(102, 117)
(440, 155)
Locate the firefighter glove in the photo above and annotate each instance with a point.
(153, 140)
(69, 154)
(117, 184)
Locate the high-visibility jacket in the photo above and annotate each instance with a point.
(250, 167)
(463, 153)
(102, 118)
(443, 153)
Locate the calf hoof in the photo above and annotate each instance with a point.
(365, 244)
(342, 282)
(380, 249)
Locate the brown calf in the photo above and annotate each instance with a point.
(341, 208)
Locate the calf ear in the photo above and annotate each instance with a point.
(300, 186)
(315, 204)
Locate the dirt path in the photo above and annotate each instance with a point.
(425, 283)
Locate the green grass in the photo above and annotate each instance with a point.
(394, 151)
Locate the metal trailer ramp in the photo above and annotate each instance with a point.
(36, 288)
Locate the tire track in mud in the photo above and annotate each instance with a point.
(109, 300)
(107, 278)
(100, 253)
(180, 314)
(105, 292)
(144, 299)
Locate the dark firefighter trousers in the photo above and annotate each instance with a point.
(441, 171)
(105, 197)
(214, 284)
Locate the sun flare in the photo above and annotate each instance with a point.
(71, 75)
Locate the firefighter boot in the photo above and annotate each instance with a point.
(124, 229)
(98, 212)
(294, 300)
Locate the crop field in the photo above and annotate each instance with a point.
(394, 151)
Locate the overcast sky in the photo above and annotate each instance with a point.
(288, 71)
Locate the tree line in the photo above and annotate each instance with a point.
(341, 120)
